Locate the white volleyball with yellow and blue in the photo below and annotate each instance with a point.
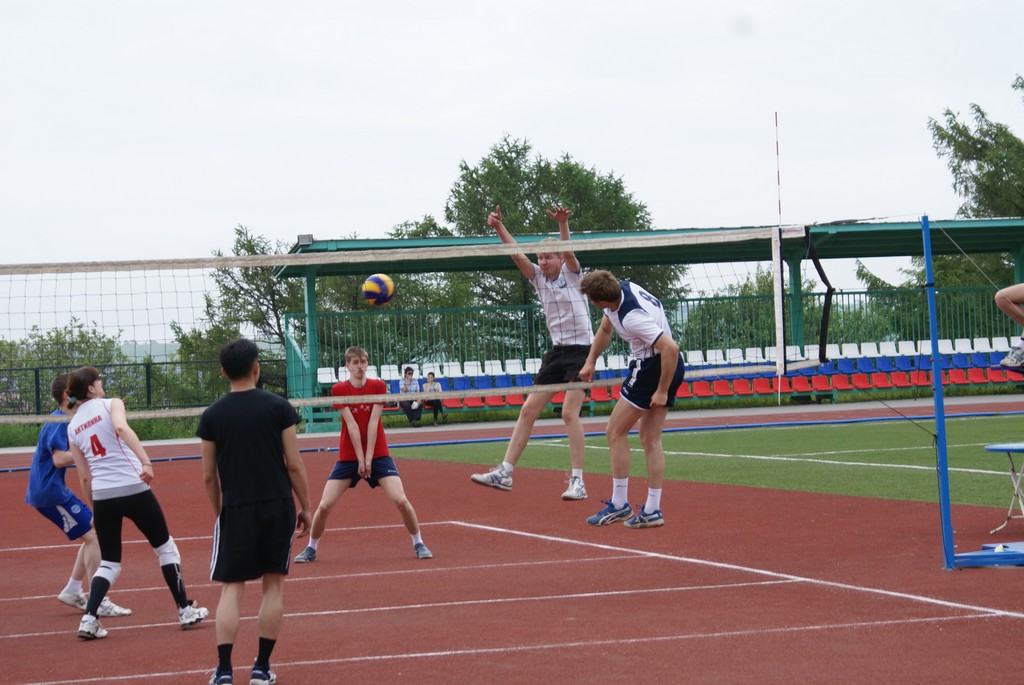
(378, 289)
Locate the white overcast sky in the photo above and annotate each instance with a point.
(136, 129)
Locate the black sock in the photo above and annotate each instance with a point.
(263, 657)
(224, 657)
(97, 591)
(174, 580)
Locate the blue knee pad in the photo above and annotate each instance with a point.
(167, 553)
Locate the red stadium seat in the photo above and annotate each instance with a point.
(600, 394)
(880, 381)
(702, 389)
(721, 388)
(763, 386)
(820, 383)
(860, 381)
(977, 376)
(801, 384)
(840, 381)
(473, 403)
(781, 385)
(956, 377)
(514, 399)
(741, 386)
(684, 392)
(900, 379)
(495, 401)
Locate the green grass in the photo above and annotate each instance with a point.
(887, 459)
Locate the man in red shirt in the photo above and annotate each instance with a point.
(362, 454)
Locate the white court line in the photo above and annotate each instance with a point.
(748, 569)
(801, 459)
(507, 649)
(421, 569)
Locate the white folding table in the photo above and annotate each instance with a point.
(1017, 498)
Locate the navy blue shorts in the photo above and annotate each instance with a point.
(71, 516)
(380, 467)
(562, 364)
(643, 378)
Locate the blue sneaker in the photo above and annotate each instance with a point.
(219, 678)
(610, 514)
(421, 551)
(305, 556)
(643, 520)
(261, 677)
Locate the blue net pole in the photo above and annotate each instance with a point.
(941, 461)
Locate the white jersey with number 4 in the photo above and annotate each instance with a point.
(115, 467)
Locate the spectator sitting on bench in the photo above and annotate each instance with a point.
(435, 405)
(412, 408)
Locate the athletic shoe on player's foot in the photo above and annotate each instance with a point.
(305, 556)
(497, 477)
(190, 616)
(610, 514)
(108, 608)
(645, 520)
(219, 678)
(261, 677)
(576, 489)
(90, 628)
(1014, 358)
(74, 599)
(421, 551)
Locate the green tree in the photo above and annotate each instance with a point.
(253, 298)
(986, 160)
(525, 185)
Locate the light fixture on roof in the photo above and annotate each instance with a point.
(305, 239)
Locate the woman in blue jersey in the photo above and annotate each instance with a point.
(115, 473)
(50, 495)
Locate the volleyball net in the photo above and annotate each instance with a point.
(153, 327)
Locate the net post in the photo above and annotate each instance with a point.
(941, 461)
(778, 283)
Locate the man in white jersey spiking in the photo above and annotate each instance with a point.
(655, 373)
(556, 278)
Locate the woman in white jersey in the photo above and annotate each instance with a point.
(556, 278)
(115, 473)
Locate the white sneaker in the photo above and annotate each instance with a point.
(190, 616)
(1014, 359)
(497, 477)
(90, 628)
(108, 608)
(576, 489)
(77, 600)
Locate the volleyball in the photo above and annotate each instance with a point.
(378, 289)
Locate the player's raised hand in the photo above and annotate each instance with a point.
(494, 219)
(560, 214)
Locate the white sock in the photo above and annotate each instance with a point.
(620, 492)
(73, 586)
(577, 473)
(507, 466)
(417, 538)
(653, 500)
(314, 543)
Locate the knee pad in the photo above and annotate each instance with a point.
(109, 571)
(167, 553)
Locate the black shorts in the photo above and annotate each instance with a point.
(642, 381)
(380, 467)
(252, 539)
(562, 364)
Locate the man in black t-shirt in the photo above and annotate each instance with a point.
(251, 467)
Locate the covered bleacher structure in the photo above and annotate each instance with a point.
(836, 240)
